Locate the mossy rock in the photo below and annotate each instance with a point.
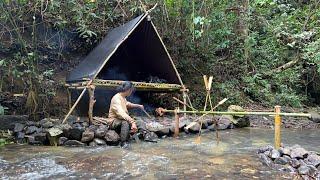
(236, 108)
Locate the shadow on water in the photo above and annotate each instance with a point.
(233, 158)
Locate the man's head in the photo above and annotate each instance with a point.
(126, 88)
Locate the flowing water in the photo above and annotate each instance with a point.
(233, 158)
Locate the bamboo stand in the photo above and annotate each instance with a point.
(277, 128)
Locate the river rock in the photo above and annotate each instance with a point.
(62, 140)
(295, 163)
(285, 151)
(87, 136)
(281, 160)
(99, 142)
(31, 129)
(101, 131)
(265, 160)
(236, 108)
(112, 137)
(212, 127)
(41, 137)
(312, 170)
(303, 170)
(141, 125)
(76, 132)
(93, 128)
(93, 143)
(73, 143)
(150, 137)
(313, 159)
(274, 154)
(265, 148)
(193, 127)
(288, 169)
(225, 122)
(242, 122)
(157, 128)
(298, 153)
(18, 127)
(46, 123)
(20, 137)
(53, 135)
(32, 141)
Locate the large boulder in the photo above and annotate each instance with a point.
(73, 143)
(87, 136)
(111, 137)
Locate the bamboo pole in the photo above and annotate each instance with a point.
(74, 105)
(240, 113)
(277, 127)
(184, 103)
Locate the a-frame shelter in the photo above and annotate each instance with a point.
(133, 52)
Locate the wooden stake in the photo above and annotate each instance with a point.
(176, 128)
(92, 101)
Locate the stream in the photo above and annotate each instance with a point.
(234, 157)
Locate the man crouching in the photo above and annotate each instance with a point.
(119, 118)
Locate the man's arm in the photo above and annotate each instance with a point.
(132, 105)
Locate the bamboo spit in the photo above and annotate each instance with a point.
(138, 85)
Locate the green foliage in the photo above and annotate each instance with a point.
(240, 44)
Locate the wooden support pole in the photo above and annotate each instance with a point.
(92, 101)
(176, 128)
(277, 127)
(184, 96)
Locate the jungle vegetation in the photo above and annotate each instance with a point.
(260, 51)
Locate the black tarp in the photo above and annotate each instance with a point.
(141, 57)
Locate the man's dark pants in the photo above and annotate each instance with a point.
(122, 127)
